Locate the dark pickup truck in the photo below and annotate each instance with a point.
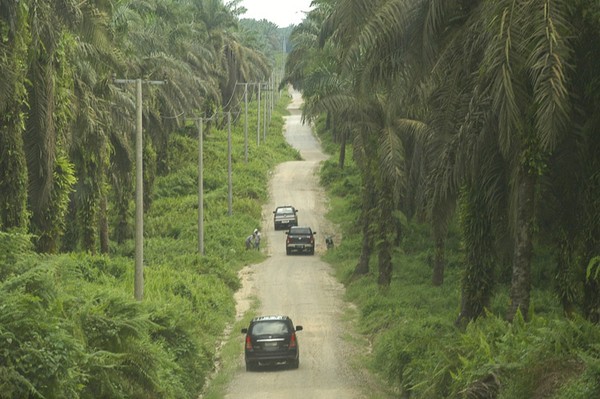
(300, 239)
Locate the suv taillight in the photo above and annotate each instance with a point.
(293, 340)
(248, 343)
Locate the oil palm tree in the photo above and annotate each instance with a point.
(48, 114)
(354, 26)
(13, 166)
(236, 62)
(92, 57)
(503, 65)
(571, 187)
(505, 56)
(525, 65)
(378, 150)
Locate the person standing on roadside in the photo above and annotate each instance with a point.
(250, 241)
(257, 239)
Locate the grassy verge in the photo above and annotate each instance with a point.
(416, 348)
(230, 354)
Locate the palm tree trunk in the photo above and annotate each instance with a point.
(150, 162)
(521, 273)
(385, 262)
(591, 301)
(566, 275)
(362, 267)
(103, 221)
(591, 233)
(477, 285)
(40, 144)
(478, 276)
(13, 163)
(70, 238)
(439, 259)
(13, 173)
(123, 194)
(384, 246)
(88, 220)
(342, 156)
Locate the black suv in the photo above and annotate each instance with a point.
(284, 217)
(301, 239)
(271, 340)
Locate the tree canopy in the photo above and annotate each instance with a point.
(66, 126)
(483, 112)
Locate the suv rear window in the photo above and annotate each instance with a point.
(270, 328)
(285, 211)
(300, 230)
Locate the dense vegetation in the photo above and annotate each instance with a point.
(409, 327)
(481, 111)
(474, 172)
(474, 128)
(69, 325)
(68, 110)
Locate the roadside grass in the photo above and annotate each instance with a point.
(231, 356)
(416, 347)
(371, 383)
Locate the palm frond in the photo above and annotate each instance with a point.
(549, 63)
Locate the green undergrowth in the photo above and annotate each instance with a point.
(416, 347)
(231, 358)
(69, 325)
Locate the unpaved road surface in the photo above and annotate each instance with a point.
(300, 286)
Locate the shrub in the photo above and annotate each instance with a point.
(39, 354)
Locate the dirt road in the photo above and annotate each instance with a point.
(300, 286)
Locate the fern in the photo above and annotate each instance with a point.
(593, 269)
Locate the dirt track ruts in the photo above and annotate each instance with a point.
(300, 286)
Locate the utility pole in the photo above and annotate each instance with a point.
(245, 121)
(271, 96)
(258, 118)
(200, 188)
(200, 122)
(229, 167)
(139, 186)
(265, 122)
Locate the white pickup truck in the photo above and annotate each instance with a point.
(285, 217)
